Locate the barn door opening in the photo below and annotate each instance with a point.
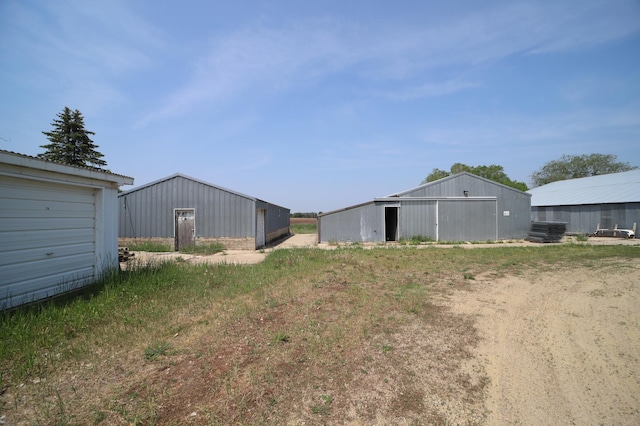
(185, 228)
(260, 234)
(391, 223)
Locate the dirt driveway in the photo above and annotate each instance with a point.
(561, 347)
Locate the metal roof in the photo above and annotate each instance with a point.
(450, 177)
(183, 176)
(602, 189)
(23, 160)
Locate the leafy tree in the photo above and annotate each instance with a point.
(70, 142)
(493, 172)
(578, 166)
(304, 214)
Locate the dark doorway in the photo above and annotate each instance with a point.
(391, 223)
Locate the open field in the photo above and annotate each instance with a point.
(303, 225)
(303, 220)
(500, 335)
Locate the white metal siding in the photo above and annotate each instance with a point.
(47, 239)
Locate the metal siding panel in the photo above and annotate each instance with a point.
(418, 218)
(574, 224)
(456, 185)
(238, 228)
(515, 202)
(220, 214)
(206, 214)
(467, 220)
(518, 222)
(281, 218)
(214, 215)
(20, 240)
(223, 230)
(260, 228)
(277, 218)
(620, 216)
(234, 208)
(47, 239)
(363, 224)
(225, 225)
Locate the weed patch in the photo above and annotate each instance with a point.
(150, 246)
(156, 350)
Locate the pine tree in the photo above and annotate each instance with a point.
(70, 142)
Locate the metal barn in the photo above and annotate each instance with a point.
(58, 227)
(182, 211)
(461, 207)
(583, 204)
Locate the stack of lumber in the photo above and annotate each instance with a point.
(124, 254)
(546, 232)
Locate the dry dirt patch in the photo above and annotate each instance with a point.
(560, 347)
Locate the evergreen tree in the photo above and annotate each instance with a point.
(70, 142)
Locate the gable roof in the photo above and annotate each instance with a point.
(180, 175)
(23, 160)
(450, 177)
(602, 189)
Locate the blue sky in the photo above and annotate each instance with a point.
(320, 105)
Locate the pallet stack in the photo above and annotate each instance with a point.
(546, 232)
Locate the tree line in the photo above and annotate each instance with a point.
(566, 167)
(69, 143)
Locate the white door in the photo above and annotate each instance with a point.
(47, 239)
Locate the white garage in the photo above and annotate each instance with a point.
(58, 227)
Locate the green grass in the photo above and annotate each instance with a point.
(152, 246)
(149, 246)
(303, 228)
(329, 302)
(204, 249)
(416, 240)
(157, 349)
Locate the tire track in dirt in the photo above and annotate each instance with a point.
(560, 347)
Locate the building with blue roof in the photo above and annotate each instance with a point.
(586, 204)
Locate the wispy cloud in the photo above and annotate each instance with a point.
(76, 45)
(397, 62)
(426, 90)
(488, 132)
